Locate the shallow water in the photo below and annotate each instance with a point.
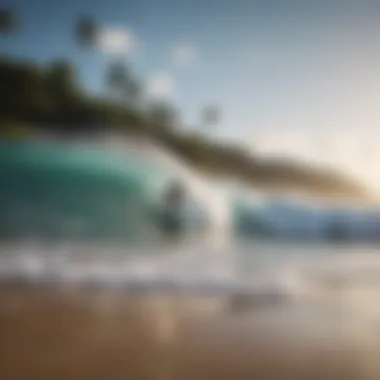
(183, 311)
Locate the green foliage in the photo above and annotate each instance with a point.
(60, 84)
(51, 96)
(162, 114)
(23, 93)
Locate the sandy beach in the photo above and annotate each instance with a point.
(91, 334)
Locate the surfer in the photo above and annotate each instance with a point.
(174, 199)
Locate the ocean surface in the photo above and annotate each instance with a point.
(51, 196)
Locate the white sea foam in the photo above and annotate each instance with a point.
(351, 278)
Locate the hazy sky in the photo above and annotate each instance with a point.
(272, 66)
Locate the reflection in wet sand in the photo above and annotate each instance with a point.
(88, 334)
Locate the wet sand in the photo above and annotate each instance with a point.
(91, 334)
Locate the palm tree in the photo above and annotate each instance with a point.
(133, 93)
(210, 116)
(116, 76)
(86, 32)
(8, 22)
(122, 84)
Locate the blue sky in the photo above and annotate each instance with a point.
(271, 66)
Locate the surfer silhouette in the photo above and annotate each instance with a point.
(174, 199)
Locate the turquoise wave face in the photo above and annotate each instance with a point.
(59, 191)
(55, 191)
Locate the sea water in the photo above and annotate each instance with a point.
(61, 225)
